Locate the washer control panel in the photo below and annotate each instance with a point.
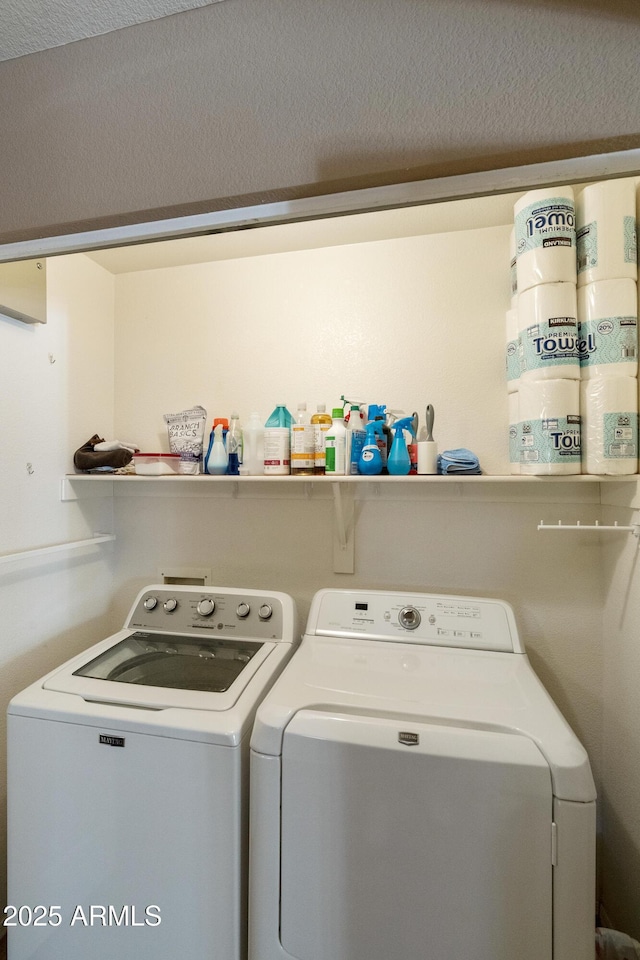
(252, 615)
(438, 620)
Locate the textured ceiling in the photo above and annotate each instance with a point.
(27, 26)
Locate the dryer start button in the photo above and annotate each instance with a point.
(409, 618)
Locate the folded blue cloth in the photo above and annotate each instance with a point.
(458, 461)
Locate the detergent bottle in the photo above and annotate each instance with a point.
(370, 462)
(218, 460)
(336, 445)
(399, 462)
(356, 437)
(303, 444)
(280, 417)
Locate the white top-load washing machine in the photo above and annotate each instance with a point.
(416, 794)
(128, 779)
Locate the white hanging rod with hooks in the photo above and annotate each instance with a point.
(597, 527)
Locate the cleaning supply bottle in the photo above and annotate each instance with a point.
(253, 446)
(399, 463)
(277, 442)
(218, 460)
(356, 437)
(378, 411)
(321, 421)
(234, 445)
(302, 444)
(370, 462)
(225, 428)
(335, 445)
(280, 417)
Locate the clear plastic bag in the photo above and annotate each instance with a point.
(613, 945)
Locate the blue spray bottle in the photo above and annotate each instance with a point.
(370, 462)
(399, 462)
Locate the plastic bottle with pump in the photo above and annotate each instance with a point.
(335, 445)
(356, 436)
(302, 444)
(321, 422)
(399, 463)
(234, 445)
(218, 460)
(370, 462)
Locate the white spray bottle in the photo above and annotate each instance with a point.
(218, 458)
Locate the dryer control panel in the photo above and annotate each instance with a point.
(251, 615)
(438, 620)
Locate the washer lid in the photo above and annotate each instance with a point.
(173, 661)
(161, 670)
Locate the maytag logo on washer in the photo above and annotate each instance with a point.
(111, 741)
(409, 739)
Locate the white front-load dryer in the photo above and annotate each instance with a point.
(128, 782)
(416, 794)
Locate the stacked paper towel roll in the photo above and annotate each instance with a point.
(548, 324)
(545, 237)
(609, 408)
(606, 232)
(549, 413)
(608, 328)
(608, 321)
(548, 425)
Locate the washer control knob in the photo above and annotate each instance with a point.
(243, 610)
(150, 603)
(265, 611)
(170, 605)
(206, 607)
(409, 618)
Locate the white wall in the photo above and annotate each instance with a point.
(56, 390)
(404, 322)
(620, 789)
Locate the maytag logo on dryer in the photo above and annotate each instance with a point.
(408, 739)
(111, 741)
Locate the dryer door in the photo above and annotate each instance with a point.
(413, 840)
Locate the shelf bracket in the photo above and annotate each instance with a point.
(343, 529)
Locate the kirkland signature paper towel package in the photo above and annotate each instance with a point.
(608, 329)
(609, 408)
(548, 322)
(549, 427)
(606, 231)
(545, 237)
